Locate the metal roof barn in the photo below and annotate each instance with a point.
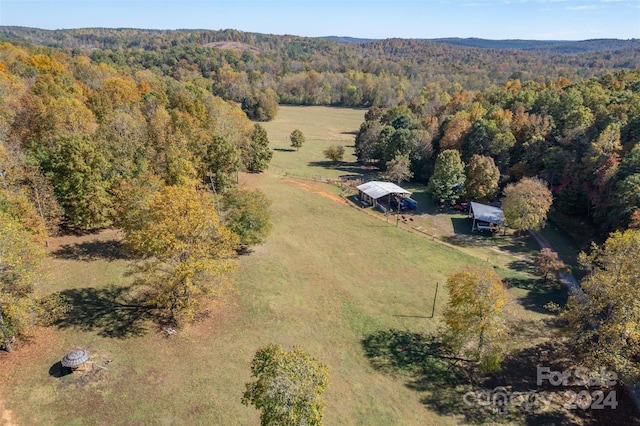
(483, 215)
(376, 189)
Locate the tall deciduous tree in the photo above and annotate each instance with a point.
(605, 316)
(399, 168)
(455, 131)
(482, 178)
(476, 318)
(77, 171)
(334, 153)
(548, 262)
(222, 162)
(188, 252)
(247, 214)
(447, 182)
(526, 204)
(258, 155)
(366, 143)
(297, 139)
(288, 387)
(261, 106)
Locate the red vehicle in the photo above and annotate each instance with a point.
(463, 207)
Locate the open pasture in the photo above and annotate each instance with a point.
(350, 288)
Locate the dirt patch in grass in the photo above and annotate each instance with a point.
(25, 351)
(19, 362)
(316, 190)
(6, 416)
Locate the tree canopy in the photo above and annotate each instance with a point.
(399, 169)
(482, 177)
(187, 251)
(604, 318)
(526, 204)
(446, 184)
(247, 214)
(259, 154)
(288, 387)
(334, 153)
(547, 262)
(476, 318)
(20, 258)
(297, 139)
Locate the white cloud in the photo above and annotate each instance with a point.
(583, 7)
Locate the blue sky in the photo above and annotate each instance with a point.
(492, 19)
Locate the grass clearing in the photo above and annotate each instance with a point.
(330, 278)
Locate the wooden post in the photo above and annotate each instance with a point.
(435, 295)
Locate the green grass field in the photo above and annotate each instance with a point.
(330, 278)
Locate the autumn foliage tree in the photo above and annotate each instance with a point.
(526, 204)
(20, 258)
(334, 153)
(547, 262)
(604, 318)
(399, 169)
(482, 176)
(476, 318)
(288, 387)
(187, 251)
(297, 139)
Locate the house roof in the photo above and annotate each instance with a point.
(376, 189)
(488, 213)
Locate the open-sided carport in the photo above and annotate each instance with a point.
(486, 218)
(375, 192)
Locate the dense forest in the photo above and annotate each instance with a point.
(262, 70)
(580, 137)
(72, 129)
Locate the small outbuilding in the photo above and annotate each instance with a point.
(486, 218)
(375, 192)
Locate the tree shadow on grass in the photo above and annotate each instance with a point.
(428, 368)
(455, 387)
(345, 166)
(519, 372)
(537, 298)
(88, 251)
(539, 291)
(111, 311)
(464, 236)
(284, 149)
(523, 266)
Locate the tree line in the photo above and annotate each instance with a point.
(580, 137)
(262, 70)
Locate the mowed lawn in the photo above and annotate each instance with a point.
(328, 277)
